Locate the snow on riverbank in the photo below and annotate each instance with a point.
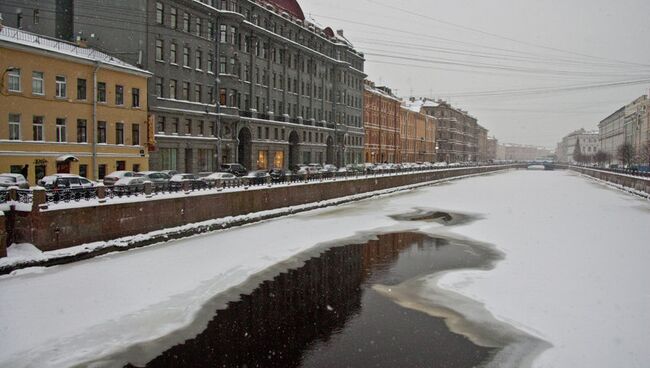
(573, 275)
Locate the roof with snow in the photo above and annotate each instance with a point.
(17, 37)
(290, 6)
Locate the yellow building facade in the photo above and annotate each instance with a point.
(69, 109)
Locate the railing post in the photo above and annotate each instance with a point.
(3, 236)
(39, 199)
(148, 189)
(101, 193)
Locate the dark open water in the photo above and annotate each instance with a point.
(326, 314)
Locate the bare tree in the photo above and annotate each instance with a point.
(601, 157)
(577, 152)
(645, 153)
(625, 153)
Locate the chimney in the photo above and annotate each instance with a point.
(340, 32)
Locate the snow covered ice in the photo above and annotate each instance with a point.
(574, 273)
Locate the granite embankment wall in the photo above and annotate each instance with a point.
(637, 184)
(52, 228)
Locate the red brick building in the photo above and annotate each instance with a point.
(381, 123)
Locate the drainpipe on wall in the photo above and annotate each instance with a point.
(94, 143)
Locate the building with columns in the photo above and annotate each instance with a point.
(589, 144)
(242, 81)
(381, 122)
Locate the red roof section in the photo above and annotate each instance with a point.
(290, 6)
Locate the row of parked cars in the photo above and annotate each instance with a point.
(129, 181)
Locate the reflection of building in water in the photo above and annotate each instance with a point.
(272, 326)
(279, 320)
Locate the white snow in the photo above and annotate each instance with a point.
(574, 273)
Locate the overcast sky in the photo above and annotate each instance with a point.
(460, 49)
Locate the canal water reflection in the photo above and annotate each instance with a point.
(326, 314)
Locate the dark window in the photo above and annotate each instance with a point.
(161, 124)
(135, 134)
(102, 171)
(135, 95)
(119, 95)
(83, 170)
(159, 87)
(81, 89)
(81, 131)
(101, 132)
(188, 126)
(119, 133)
(101, 92)
(120, 165)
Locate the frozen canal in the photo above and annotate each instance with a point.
(561, 282)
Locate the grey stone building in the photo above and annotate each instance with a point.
(457, 136)
(234, 81)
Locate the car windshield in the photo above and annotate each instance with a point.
(8, 178)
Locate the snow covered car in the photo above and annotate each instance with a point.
(113, 177)
(257, 177)
(13, 180)
(129, 185)
(219, 179)
(177, 181)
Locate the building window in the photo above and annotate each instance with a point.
(37, 128)
(161, 125)
(135, 97)
(119, 133)
(101, 171)
(172, 54)
(222, 65)
(101, 132)
(186, 22)
(233, 35)
(159, 50)
(262, 160)
(186, 56)
(101, 92)
(186, 91)
(119, 95)
(160, 13)
(120, 165)
(172, 88)
(14, 127)
(60, 130)
(81, 131)
(223, 33)
(175, 125)
(210, 61)
(168, 158)
(37, 83)
(198, 93)
(278, 159)
(135, 134)
(199, 59)
(14, 80)
(223, 96)
(81, 89)
(159, 87)
(188, 126)
(201, 127)
(173, 22)
(61, 87)
(199, 27)
(83, 170)
(37, 16)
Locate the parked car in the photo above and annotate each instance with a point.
(279, 175)
(129, 185)
(234, 168)
(113, 177)
(13, 180)
(159, 180)
(176, 181)
(219, 179)
(65, 181)
(258, 177)
(440, 164)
